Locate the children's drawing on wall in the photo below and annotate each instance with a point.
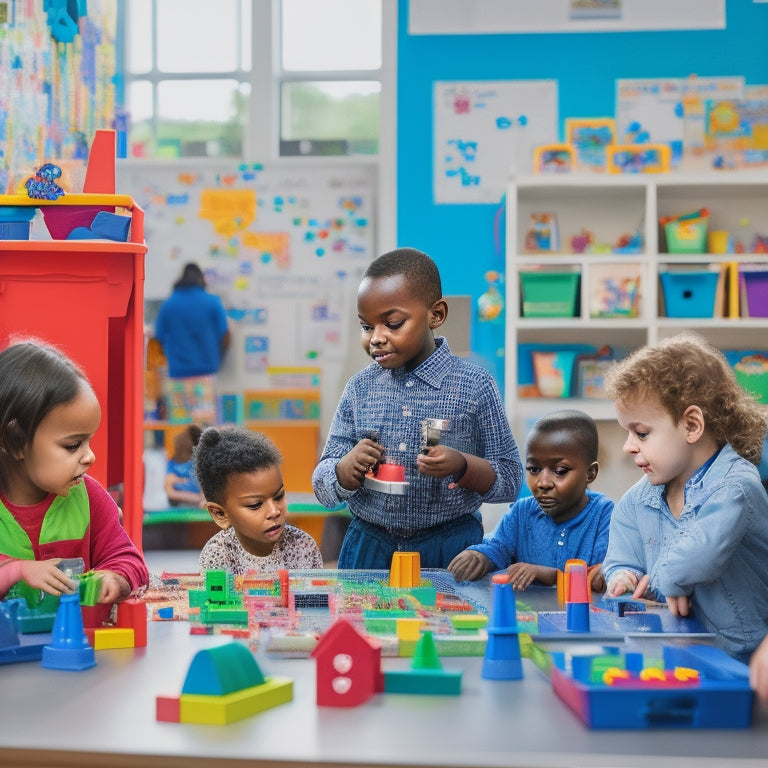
(284, 248)
(485, 131)
(57, 60)
(671, 111)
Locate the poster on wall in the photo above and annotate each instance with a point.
(284, 248)
(670, 110)
(492, 17)
(486, 131)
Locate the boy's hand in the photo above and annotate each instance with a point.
(596, 578)
(353, 467)
(621, 582)
(522, 575)
(114, 587)
(441, 461)
(46, 576)
(758, 671)
(469, 565)
(678, 605)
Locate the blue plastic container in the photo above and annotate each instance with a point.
(689, 294)
(16, 221)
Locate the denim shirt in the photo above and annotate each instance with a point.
(716, 552)
(394, 403)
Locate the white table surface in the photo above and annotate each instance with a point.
(105, 716)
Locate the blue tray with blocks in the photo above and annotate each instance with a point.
(696, 686)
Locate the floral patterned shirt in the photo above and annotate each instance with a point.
(295, 549)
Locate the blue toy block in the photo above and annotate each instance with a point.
(502, 650)
(11, 647)
(69, 647)
(106, 226)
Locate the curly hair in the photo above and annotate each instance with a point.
(687, 370)
(225, 451)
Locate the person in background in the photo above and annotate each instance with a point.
(562, 520)
(413, 378)
(181, 486)
(694, 530)
(192, 329)
(239, 474)
(50, 508)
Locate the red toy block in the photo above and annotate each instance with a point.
(168, 709)
(100, 173)
(132, 614)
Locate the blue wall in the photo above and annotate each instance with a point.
(461, 238)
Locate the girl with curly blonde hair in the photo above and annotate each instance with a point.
(694, 530)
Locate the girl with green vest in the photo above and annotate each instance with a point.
(50, 508)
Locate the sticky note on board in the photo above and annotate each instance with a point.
(229, 210)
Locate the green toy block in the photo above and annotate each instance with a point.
(90, 586)
(469, 621)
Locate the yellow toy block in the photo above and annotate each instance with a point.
(109, 637)
(408, 629)
(405, 570)
(220, 710)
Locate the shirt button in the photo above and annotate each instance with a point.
(560, 543)
(409, 383)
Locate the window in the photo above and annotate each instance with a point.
(199, 77)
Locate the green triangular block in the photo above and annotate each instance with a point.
(425, 655)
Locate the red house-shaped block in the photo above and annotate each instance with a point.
(348, 667)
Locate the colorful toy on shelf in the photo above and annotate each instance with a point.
(223, 685)
(542, 235)
(687, 232)
(43, 186)
(699, 686)
(590, 138)
(581, 242)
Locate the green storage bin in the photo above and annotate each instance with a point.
(550, 294)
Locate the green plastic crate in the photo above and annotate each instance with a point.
(549, 294)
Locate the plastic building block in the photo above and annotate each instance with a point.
(111, 637)
(105, 225)
(100, 173)
(90, 586)
(132, 613)
(577, 601)
(393, 488)
(405, 570)
(69, 647)
(348, 667)
(11, 648)
(223, 684)
(699, 687)
(502, 650)
(426, 675)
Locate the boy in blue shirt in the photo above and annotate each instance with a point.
(414, 377)
(562, 520)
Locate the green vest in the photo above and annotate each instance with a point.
(67, 519)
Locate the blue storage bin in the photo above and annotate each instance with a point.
(689, 294)
(16, 221)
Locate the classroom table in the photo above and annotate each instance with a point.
(105, 716)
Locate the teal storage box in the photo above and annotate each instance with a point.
(689, 294)
(549, 294)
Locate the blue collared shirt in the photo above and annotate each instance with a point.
(394, 403)
(716, 552)
(527, 534)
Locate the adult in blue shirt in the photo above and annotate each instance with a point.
(192, 327)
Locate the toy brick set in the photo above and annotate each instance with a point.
(347, 621)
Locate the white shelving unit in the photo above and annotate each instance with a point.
(609, 206)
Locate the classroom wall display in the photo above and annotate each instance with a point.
(475, 17)
(483, 131)
(58, 65)
(284, 247)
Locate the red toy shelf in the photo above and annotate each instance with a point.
(86, 296)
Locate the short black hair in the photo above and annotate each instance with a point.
(224, 451)
(581, 426)
(191, 276)
(420, 271)
(34, 379)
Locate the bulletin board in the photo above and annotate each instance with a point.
(485, 131)
(284, 248)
